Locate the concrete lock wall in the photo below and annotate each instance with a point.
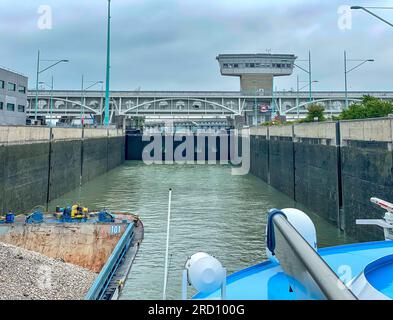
(25, 176)
(95, 158)
(281, 159)
(367, 171)
(316, 159)
(333, 168)
(39, 164)
(204, 147)
(65, 167)
(116, 142)
(135, 146)
(259, 157)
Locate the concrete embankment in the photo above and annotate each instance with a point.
(331, 167)
(28, 275)
(39, 164)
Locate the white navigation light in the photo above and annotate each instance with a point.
(303, 224)
(205, 272)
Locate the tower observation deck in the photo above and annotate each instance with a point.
(256, 71)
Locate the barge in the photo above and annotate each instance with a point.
(102, 241)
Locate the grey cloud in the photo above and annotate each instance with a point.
(172, 44)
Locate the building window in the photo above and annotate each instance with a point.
(22, 89)
(11, 86)
(21, 108)
(10, 107)
(1, 84)
(1, 105)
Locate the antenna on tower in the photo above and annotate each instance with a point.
(269, 51)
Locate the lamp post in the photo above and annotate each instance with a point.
(298, 91)
(51, 98)
(83, 98)
(255, 102)
(346, 71)
(255, 108)
(107, 97)
(272, 107)
(82, 104)
(309, 72)
(309, 75)
(37, 79)
(102, 102)
(372, 13)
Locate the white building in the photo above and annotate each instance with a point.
(256, 71)
(13, 98)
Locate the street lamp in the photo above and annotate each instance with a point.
(309, 72)
(372, 13)
(255, 102)
(37, 81)
(83, 99)
(51, 98)
(346, 71)
(106, 119)
(299, 89)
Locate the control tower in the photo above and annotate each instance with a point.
(256, 71)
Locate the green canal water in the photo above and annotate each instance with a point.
(212, 211)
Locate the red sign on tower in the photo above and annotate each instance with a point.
(264, 108)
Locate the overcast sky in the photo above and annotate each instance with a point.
(172, 44)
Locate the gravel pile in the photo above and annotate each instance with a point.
(29, 275)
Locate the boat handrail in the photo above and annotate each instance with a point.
(301, 262)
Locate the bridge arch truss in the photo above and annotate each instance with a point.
(192, 104)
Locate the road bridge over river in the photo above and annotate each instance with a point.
(159, 105)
